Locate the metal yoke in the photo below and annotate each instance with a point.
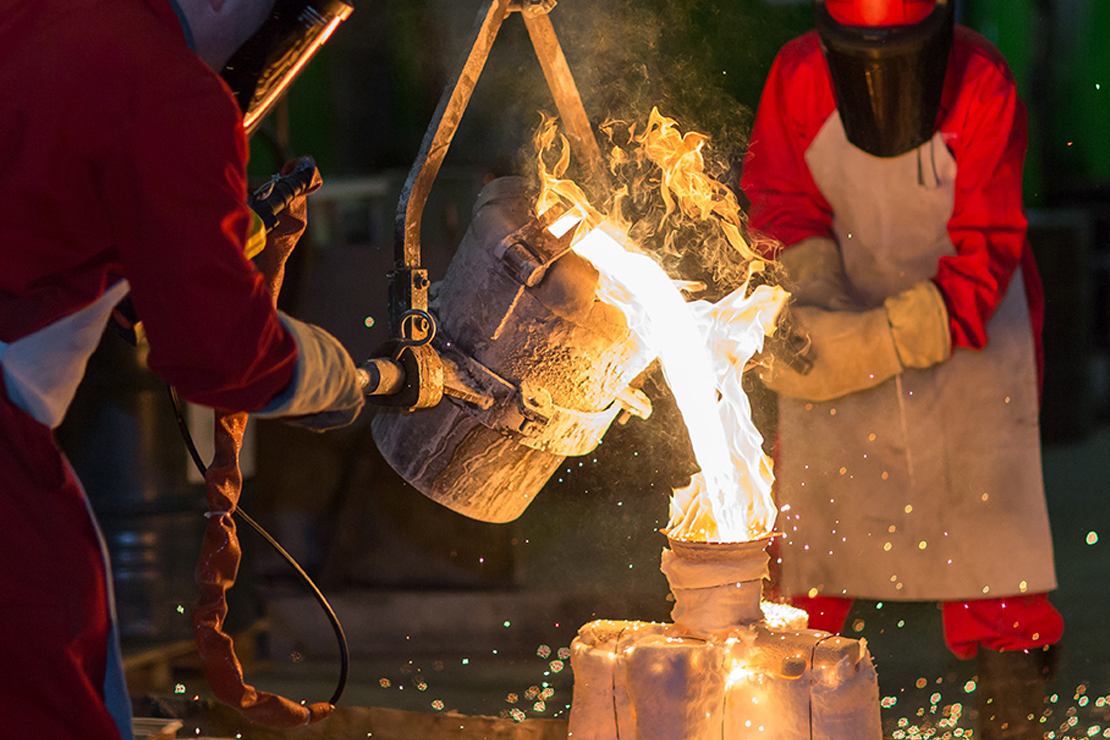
(408, 281)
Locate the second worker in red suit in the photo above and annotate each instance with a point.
(886, 157)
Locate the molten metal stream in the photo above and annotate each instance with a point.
(703, 347)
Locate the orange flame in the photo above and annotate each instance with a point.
(702, 347)
(679, 157)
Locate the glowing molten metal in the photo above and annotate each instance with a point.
(722, 669)
(703, 347)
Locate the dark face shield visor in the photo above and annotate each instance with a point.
(262, 69)
(888, 80)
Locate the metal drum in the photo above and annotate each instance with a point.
(124, 445)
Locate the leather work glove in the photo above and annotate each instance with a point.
(326, 391)
(281, 240)
(857, 350)
(815, 274)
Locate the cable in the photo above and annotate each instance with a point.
(186, 435)
(341, 638)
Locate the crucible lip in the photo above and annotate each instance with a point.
(702, 551)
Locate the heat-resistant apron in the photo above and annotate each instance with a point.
(928, 486)
(41, 373)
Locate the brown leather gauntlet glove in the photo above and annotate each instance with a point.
(815, 274)
(284, 237)
(857, 350)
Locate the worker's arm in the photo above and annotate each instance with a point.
(986, 131)
(856, 350)
(325, 376)
(786, 204)
(175, 189)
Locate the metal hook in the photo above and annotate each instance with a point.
(409, 329)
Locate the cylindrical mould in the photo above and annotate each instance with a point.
(716, 585)
(635, 680)
(650, 681)
(720, 671)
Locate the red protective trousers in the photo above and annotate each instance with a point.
(1008, 623)
(53, 596)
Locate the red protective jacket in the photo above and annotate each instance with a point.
(123, 156)
(982, 121)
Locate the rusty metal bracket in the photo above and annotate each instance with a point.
(567, 100)
(433, 148)
(530, 250)
(532, 7)
(526, 412)
(421, 384)
(408, 282)
(413, 376)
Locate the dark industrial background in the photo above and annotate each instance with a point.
(476, 613)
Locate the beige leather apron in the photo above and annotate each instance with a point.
(928, 486)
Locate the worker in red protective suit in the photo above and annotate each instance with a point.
(123, 168)
(886, 157)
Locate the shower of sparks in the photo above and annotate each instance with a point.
(929, 716)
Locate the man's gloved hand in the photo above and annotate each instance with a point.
(815, 274)
(325, 391)
(857, 350)
(281, 240)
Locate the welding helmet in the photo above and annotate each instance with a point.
(888, 59)
(261, 70)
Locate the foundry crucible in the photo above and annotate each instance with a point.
(535, 367)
